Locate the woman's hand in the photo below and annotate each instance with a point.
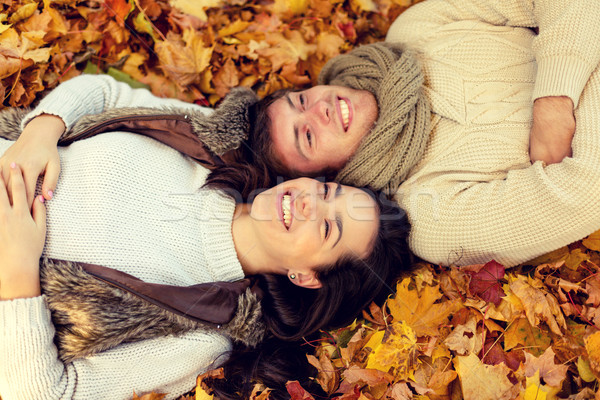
(552, 130)
(22, 238)
(37, 153)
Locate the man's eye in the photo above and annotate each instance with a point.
(325, 191)
(327, 229)
(309, 138)
(302, 101)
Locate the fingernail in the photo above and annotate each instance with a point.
(13, 165)
(50, 193)
(41, 198)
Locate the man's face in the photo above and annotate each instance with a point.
(320, 128)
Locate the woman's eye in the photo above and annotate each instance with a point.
(309, 138)
(325, 191)
(302, 101)
(327, 229)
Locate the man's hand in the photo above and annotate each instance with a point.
(552, 130)
(36, 152)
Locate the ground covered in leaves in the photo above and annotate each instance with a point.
(480, 332)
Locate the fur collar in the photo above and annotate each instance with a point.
(91, 316)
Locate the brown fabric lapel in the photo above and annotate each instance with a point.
(174, 130)
(214, 302)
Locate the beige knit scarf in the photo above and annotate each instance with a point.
(397, 141)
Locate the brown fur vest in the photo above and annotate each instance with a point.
(91, 315)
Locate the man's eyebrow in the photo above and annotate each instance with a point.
(338, 216)
(296, 137)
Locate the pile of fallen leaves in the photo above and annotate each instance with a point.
(477, 332)
(194, 50)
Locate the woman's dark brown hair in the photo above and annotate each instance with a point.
(292, 313)
(253, 166)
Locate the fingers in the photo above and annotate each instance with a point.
(4, 199)
(38, 212)
(50, 179)
(17, 186)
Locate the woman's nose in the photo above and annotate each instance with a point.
(310, 205)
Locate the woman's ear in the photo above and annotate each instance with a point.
(305, 280)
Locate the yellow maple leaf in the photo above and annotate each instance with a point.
(396, 347)
(480, 381)
(184, 62)
(418, 308)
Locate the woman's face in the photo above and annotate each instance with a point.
(304, 223)
(320, 128)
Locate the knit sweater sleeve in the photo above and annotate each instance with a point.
(460, 218)
(566, 48)
(92, 94)
(31, 370)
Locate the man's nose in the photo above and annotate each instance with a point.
(322, 111)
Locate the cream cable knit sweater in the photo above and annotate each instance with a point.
(129, 202)
(475, 195)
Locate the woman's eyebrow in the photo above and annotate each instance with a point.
(296, 134)
(338, 216)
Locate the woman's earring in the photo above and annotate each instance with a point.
(292, 276)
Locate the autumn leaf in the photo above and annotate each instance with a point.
(395, 348)
(486, 283)
(539, 306)
(480, 381)
(592, 242)
(553, 374)
(419, 308)
(521, 333)
(184, 58)
(327, 376)
(297, 392)
(149, 396)
(465, 338)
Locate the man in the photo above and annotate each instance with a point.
(505, 82)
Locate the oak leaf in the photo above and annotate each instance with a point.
(419, 308)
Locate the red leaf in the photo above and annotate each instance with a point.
(297, 392)
(486, 283)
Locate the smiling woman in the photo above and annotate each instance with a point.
(318, 252)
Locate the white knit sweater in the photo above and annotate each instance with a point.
(128, 202)
(475, 195)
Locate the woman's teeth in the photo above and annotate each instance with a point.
(286, 207)
(345, 113)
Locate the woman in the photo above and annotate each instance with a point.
(130, 203)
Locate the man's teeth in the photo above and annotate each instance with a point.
(286, 206)
(345, 113)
